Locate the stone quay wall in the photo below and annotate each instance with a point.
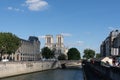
(16, 68)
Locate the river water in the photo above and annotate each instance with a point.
(58, 74)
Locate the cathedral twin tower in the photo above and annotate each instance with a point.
(58, 45)
(50, 41)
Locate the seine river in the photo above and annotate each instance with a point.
(58, 74)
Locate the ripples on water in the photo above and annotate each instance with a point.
(58, 74)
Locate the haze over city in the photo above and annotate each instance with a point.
(83, 23)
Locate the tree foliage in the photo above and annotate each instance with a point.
(9, 43)
(73, 54)
(47, 53)
(89, 53)
(53, 52)
(62, 57)
(98, 55)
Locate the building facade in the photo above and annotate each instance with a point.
(116, 44)
(58, 45)
(49, 41)
(28, 51)
(109, 46)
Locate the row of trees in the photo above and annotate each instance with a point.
(72, 54)
(89, 53)
(47, 53)
(9, 43)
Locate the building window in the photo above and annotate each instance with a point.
(59, 51)
(48, 40)
(59, 39)
(21, 58)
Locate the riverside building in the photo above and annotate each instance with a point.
(28, 51)
(111, 45)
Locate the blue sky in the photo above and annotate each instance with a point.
(84, 23)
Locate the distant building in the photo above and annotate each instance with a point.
(59, 41)
(116, 44)
(109, 45)
(103, 49)
(58, 45)
(28, 51)
(49, 41)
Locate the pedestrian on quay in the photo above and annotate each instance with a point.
(118, 61)
(114, 61)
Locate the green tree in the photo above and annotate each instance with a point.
(53, 52)
(62, 57)
(9, 43)
(73, 54)
(98, 55)
(89, 53)
(47, 53)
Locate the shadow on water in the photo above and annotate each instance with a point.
(58, 74)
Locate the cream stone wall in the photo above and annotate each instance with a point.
(17, 68)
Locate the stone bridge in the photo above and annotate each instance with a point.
(71, 63)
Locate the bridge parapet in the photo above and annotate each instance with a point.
(71, 63)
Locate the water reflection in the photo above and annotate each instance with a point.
(59, 74)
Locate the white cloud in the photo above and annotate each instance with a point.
(87, 33)
(114, 28)
(79, 43)
(75, 44)
(111, 28)
(66, 34)
(10, 8)
(36, 5)
(15, 9)
(41, 37)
